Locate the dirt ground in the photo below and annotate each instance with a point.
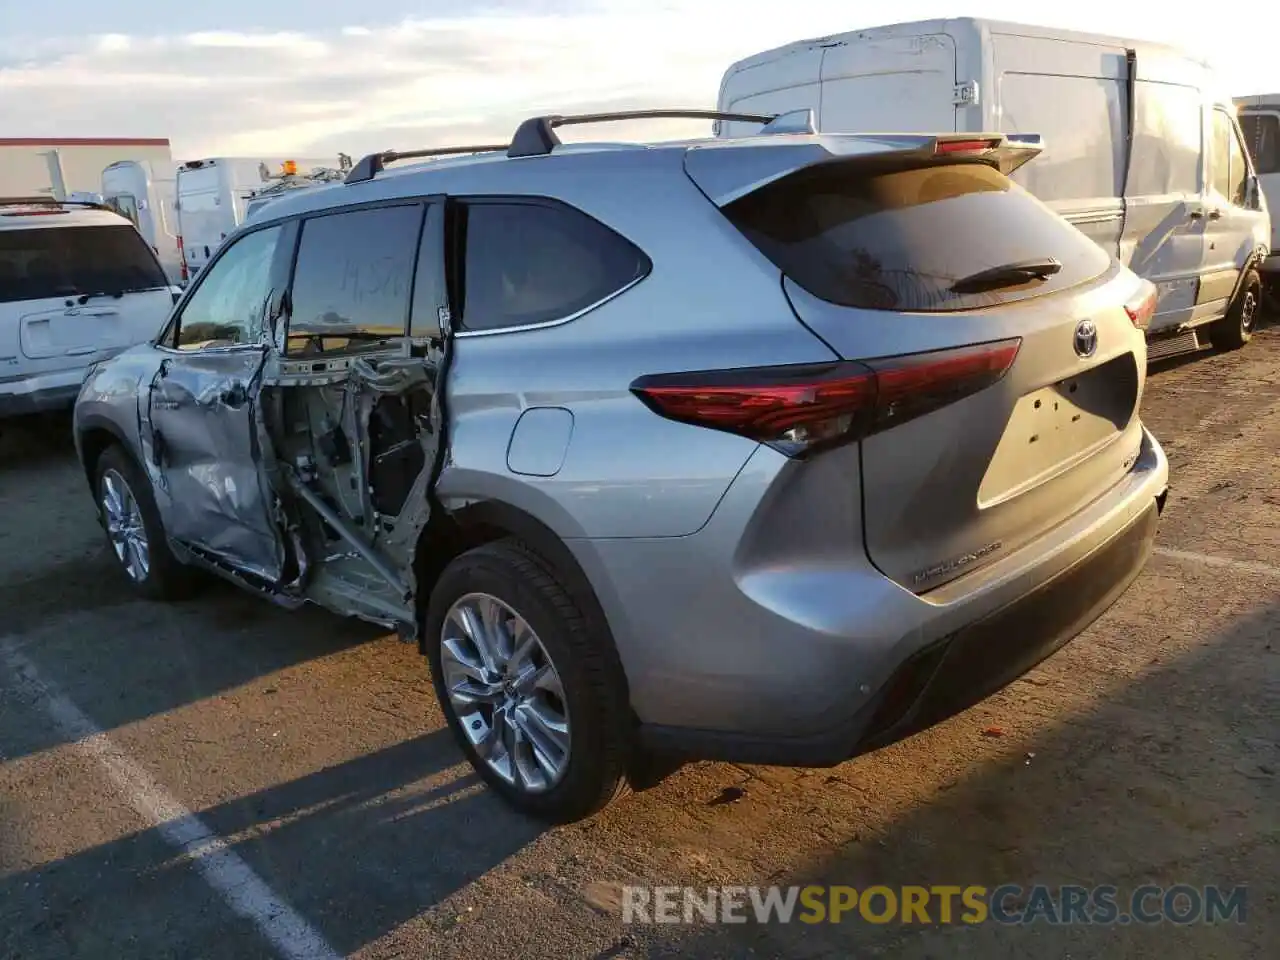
(1148, 750)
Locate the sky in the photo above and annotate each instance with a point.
(260, 78)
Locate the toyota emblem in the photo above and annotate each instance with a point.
(1086, 338)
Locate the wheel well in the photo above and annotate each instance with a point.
(94, 442)
(449, 535)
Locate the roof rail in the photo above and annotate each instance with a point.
(373, 164)
(536, 137)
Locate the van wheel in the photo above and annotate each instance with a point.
(1236, 329)
(530, 695)
(135, 532)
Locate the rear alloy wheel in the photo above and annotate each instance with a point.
(1236, 329)
(505, 690)
(134, 530)
(533, 697)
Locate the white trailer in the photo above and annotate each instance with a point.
(145, 192)
(213, 195)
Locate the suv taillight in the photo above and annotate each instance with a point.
(1142, 307)
(800, 408)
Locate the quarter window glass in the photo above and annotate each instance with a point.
(227, 307)
(352, 280)
(531, 263)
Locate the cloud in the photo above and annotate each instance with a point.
(416, 83)
(440, 79)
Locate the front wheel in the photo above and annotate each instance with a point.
(532, 697)
(134, 529)
(1236, 329)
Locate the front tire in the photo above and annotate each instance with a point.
(135, 533)
(534, 700)
(1236, 329)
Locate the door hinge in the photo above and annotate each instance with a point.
(965, 94)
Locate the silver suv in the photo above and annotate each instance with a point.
(773, 449)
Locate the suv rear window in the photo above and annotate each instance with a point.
(895, 239)
(66, 261)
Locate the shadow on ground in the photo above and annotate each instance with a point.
(63, 594)
(1171, 778)
(359, 848)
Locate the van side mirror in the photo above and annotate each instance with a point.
(1253, 193)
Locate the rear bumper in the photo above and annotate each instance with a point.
(41, 393)
(792, 649)
(954, 673)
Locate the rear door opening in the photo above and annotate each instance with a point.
(927, 271)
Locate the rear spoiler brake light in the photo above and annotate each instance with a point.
(1007, 152)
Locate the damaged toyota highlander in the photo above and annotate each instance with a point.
(773, 449)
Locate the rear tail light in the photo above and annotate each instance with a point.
(1142, 307)
(182, 259)
(800, 408)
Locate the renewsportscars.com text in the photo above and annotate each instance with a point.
(937, 904)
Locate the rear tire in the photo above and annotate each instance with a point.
(135, 534)
(555, 748)
(1236, 329)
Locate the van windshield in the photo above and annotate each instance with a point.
(69, 261)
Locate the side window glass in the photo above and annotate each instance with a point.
(527, 263)
(1239, 172)
(1262, 134)
(227, 307)
(352, 280)
(1221, 153)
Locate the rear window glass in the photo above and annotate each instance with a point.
(67, 261)
(899, 239)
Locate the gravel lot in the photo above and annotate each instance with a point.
(1145, 751)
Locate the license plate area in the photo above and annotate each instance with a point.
(1058, 425)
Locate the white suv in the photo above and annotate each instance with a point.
(77, 284)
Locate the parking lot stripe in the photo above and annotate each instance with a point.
(242, 889)
(1253, 566)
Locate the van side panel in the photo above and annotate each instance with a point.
(1162, 240)
(780, 84)
(1074, 95)
(892, 84)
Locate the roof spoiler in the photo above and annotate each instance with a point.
(724, 172)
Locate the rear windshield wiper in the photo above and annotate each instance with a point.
(1007, 275)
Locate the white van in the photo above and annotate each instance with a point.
(77, 284)
(212, 195)
(1142, 151)
(146, 192)
(1260, 120)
